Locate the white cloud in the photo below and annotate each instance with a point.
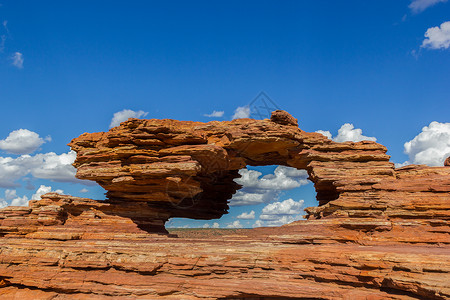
(17, 59)
(418, 6)
(44, 190)
(84, 190)
(215, 114)
(242, 112)
(11, 196)
(206, 225)
(235, 224)
(325, 133)
(124, 115)
(437, 37)
(431, 146)
(20, 201)
(247, 216)
(43, 165)
(56, 167)
(280, 213)
(258, 223)
(215, 225)
(22, 141)
(348, 133)
(284, 178)
(257, 189)
(3, 203)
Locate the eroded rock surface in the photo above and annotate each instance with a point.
(378, 232)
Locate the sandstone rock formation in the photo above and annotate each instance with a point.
(378, 232)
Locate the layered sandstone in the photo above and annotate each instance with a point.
(377, 233)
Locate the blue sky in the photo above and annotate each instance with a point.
(68, 67)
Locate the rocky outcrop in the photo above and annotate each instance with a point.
(377, 233)
(186, 169)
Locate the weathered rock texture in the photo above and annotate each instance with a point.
(378, 232)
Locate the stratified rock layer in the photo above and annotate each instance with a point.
(378, 232)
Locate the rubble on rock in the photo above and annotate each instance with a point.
(378, 232)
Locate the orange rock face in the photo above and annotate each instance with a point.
(378, 232)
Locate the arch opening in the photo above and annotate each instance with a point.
(267, 196)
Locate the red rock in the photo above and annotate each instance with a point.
(447, 162)
(378, 232)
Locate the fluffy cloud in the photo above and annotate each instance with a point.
(17, 60)
(43, 165)
(431, 146)
(247, 216)
(44, 190)
(124, 115)
(235, 224)
(418, 6)
(242, 112)
(215, 114)
(84, 190)
(257, 189)
(347, 133)
(56, 167)
(20, 201)
(11, 196)
(437, 37)
(3, 203)
(22, 141)
(214, 225)
(325, 133)
(258, 223)
(280, 213)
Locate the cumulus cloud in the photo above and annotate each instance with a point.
(11, 196)
(56, 167)
(431, 146)
(258, 223)
(325, 133)
(84, 190)
(3, 203)
(280, 213)
(437, 37)
(247, 216)
(242, 112)
(215, 114)
(348, 133)
(22, 141)
(257, 189)
(235, 224)
(20, 201)
(124, 115)
(43, 165)
(418, 6)
(215, 225)
(42, 190)
(17, 60)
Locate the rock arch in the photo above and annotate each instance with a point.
(186, 169)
